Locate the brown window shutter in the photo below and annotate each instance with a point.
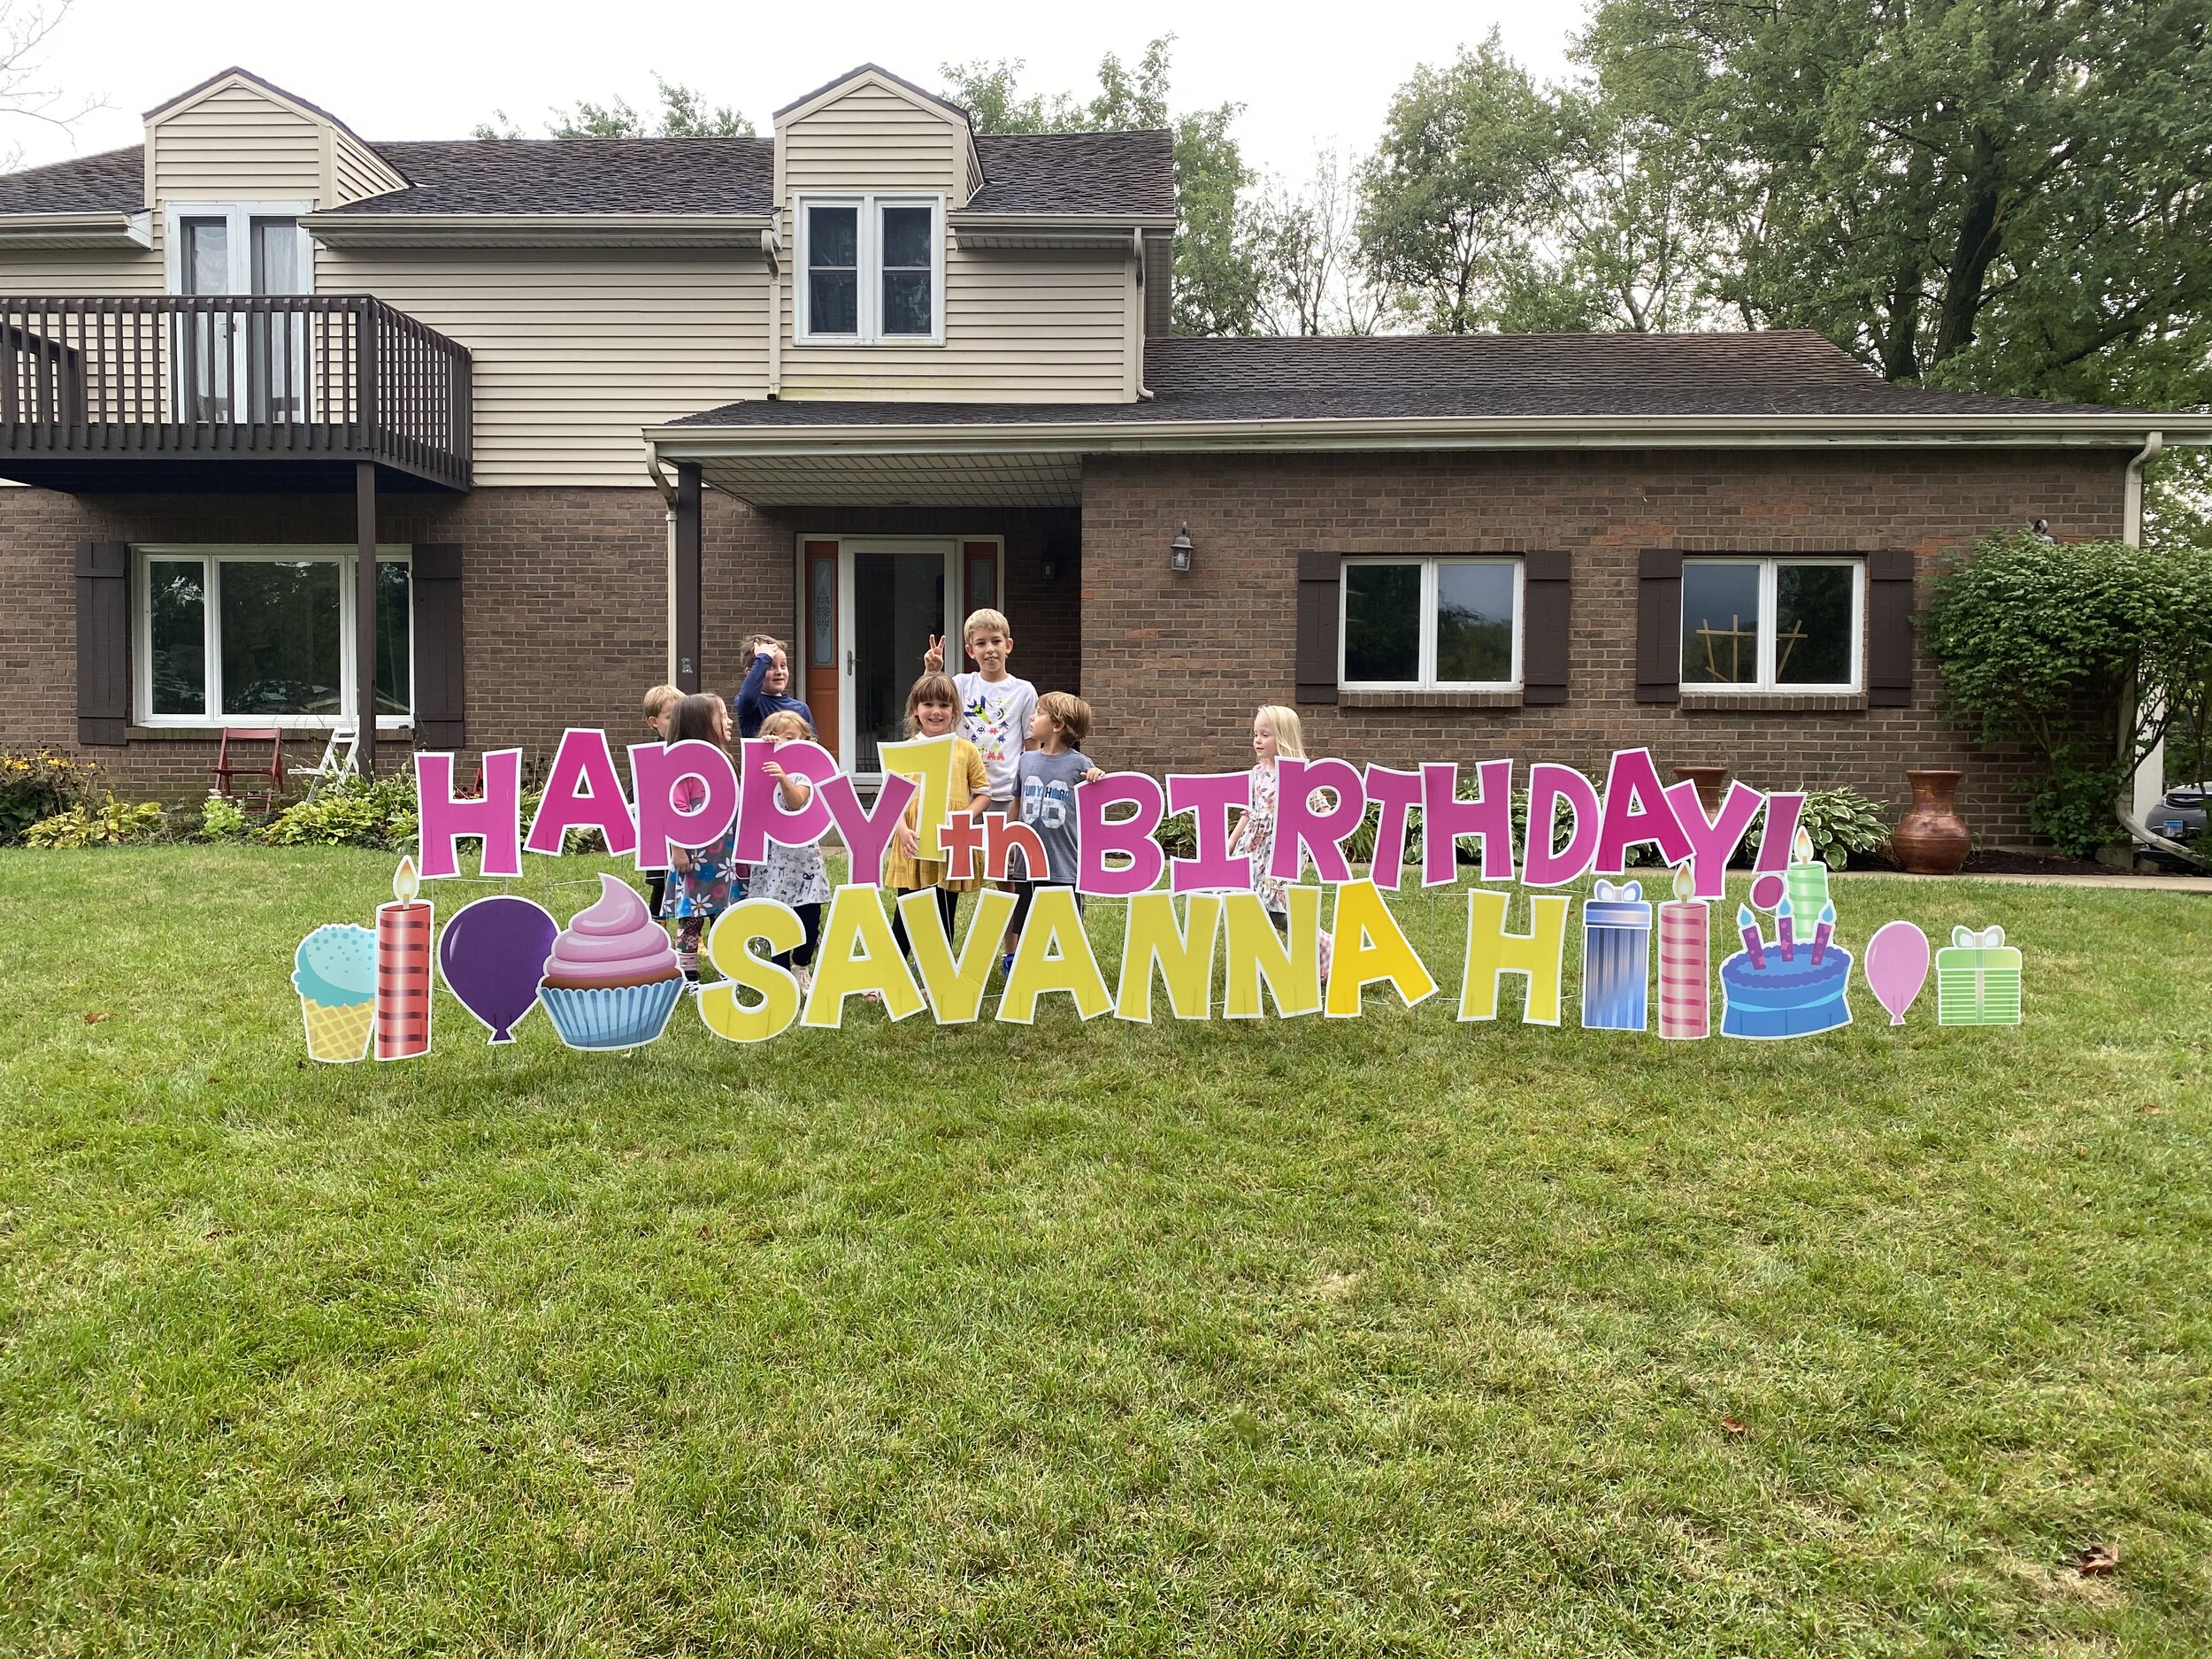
(1318, 604)
(1889, 574)
(1659, 626)
(104, 633)
(1544, 627)
(441, 684)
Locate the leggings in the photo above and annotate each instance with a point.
(947, 901)
(803, 957)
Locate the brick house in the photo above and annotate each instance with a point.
(489, 435)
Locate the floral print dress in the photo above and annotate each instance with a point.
(1256, 835)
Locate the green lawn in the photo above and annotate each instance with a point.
(1397, 1336)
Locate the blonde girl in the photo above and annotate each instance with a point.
(1275, 732)
(795, 876)
(932, 710)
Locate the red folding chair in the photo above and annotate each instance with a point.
(271, 777)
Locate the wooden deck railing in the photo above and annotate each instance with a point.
(326, 377)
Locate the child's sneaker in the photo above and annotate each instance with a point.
(1006, 966)
(804, 978)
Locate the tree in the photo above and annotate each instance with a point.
(1313, 278)
(685, 113)
(1977, 193)
(24, 33)
(1451, 188)
(1217, 286)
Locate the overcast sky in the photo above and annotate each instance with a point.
(1306, 73)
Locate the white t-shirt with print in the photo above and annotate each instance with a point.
(995, 717)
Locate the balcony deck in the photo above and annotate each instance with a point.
(198, 392)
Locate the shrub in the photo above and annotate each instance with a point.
(37, 786)
(2060, 647)
(1841, 823)
(112, 822)
(222, 819)
(352, 813)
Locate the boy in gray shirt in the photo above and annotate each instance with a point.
(1044, 792)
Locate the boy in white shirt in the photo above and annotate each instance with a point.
(995, 706)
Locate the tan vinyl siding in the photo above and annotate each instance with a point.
(358, 171)
(576, 349)
(236, 144)
(74, 273)
(870, 139)
(1051, 327)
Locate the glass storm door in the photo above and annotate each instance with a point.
(894, 597)
(243, 366)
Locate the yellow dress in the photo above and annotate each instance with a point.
(902, 873)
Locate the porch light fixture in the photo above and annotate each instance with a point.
(1180, 550)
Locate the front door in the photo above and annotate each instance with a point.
(896, 594)
(242, 365)
(868, 607)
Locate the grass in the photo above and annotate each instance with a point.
(1394, 1337)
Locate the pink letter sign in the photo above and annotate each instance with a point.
(1300, 830)
(656, 770)
(761, 814)
(582, 792)
(496, 818)
(1209, 796)
(1127, 839)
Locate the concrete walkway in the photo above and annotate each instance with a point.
(2146, 884)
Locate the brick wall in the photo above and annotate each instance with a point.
(564, 591)
(1175, 664)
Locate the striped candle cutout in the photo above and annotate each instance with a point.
(1685, 961)
(403, 968)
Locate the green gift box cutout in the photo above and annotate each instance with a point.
(1977, 979)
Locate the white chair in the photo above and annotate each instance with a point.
(340, 754)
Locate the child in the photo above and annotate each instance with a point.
(995, 707)
(660, 706)
(1275, 732)
(793, 875)
(706, 880)
(1048, 773)
(931, 708)
(766, 682)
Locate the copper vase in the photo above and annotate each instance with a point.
(1932, 839)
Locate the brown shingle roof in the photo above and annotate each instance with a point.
(111, 182)
(1076, 173)
(1599, 375)
(1055, 172)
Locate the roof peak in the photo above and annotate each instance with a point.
(878, 70)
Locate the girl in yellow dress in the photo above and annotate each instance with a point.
(932, 710)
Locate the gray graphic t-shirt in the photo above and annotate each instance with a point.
(1045, 785)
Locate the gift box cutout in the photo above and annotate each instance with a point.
(1977, 979)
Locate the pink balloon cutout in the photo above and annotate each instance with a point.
(1896, 966)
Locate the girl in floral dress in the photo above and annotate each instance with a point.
(795, 876)
(703, 881)
(1275, 731)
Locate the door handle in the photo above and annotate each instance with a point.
(848, 662)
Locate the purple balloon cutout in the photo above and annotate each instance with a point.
(493, 954)
(1896, 966)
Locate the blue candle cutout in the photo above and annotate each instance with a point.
(1617, 958)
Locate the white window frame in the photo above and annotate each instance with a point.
(869, 313)
(1430, 563)
(1770, 589)
(211, 719)
(239, 217)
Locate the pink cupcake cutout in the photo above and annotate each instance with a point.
(612, 979)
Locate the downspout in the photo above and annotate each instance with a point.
(2136, 808)
(769, 248)
(1145, 394)
(668, 496)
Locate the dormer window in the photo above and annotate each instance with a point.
(874, 269)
